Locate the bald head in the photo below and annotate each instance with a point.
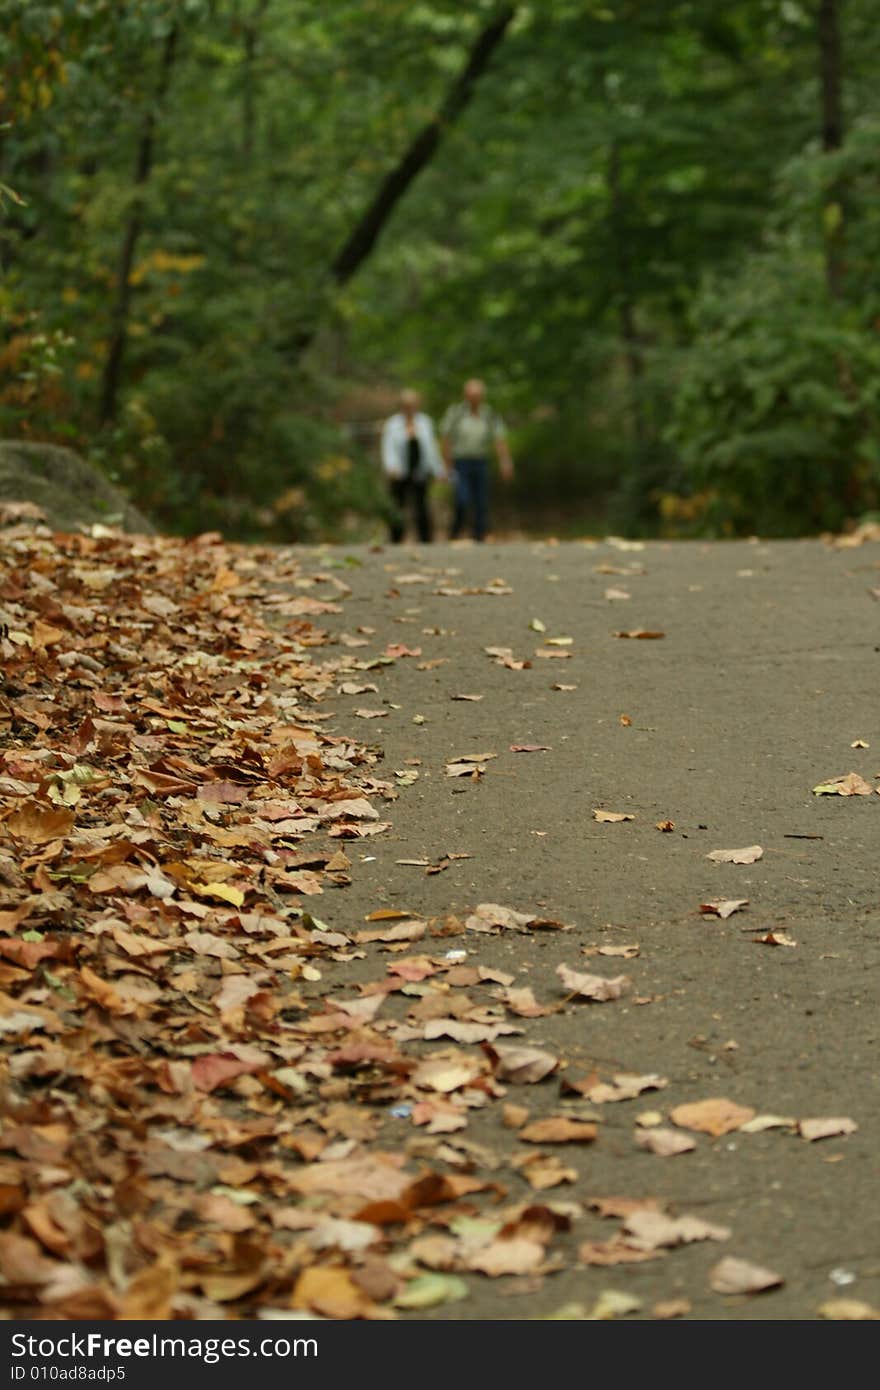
(474, 392)
(410, 402)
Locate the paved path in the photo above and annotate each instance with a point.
(768, 672)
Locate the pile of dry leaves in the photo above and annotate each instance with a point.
(215, 1105)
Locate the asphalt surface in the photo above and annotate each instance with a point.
(768, 672)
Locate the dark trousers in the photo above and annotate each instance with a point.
(471, 495)
(402, 489)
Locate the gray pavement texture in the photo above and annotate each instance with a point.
(768, 672)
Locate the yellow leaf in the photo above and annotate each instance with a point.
(224, 891)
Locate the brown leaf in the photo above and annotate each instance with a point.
(664, 1142)
(642, 633)
(852, 784)
(716, 1116)
(774, 938)
(812, 1130)
(332, 1293)
(514, 1116)
(105, 995)
(558, 1129)
(22, 1261)
(218, 1069)
(612, 817)
(39, 825)
(401, 931)
(733, 1275)
(149, 1294)
(724, 907)
(446, 1073)
(543, 1171)
(625, 1087)
(596, 987)
(460, 1030)
(615, 1251)
(522, 1065)
(375, 1177)
(671, 1308)
(516, 1255)
(651, 1230)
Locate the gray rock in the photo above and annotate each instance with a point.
(68, 490)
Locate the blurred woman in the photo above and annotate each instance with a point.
(410, 459)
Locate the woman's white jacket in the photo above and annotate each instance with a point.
(394, 448)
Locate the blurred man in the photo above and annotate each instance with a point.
(410, 459)
(469, 431)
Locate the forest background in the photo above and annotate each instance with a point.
(231, 230)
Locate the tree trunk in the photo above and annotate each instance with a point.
(831, 75)
(421, 151)
(112, 376)
(626, 313)
(249, 95)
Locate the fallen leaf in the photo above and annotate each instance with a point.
(851, 784)
(716, 1116)
(515, 1255)
(733, 1275)
(653, 1230)
(558, 1129)
(625, 1087)
(814, 1129)
(399, 931)
(615, 1251)
(750, 855)
(544, 1171)
(671, 1308)
(39, 825)
(724, 907)
(774, 938)
(612, 817)
(331, 1292)
(522, 1065)
(639, 632)
(446, 1074)
(431, 1290)
(848, 1310)
(514, 1116)
(488, 917)
(764, 1122)
(611, 1304)
(596, 987)
(664, 1142)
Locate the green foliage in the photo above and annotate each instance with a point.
(623, 233)
(777, 410)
